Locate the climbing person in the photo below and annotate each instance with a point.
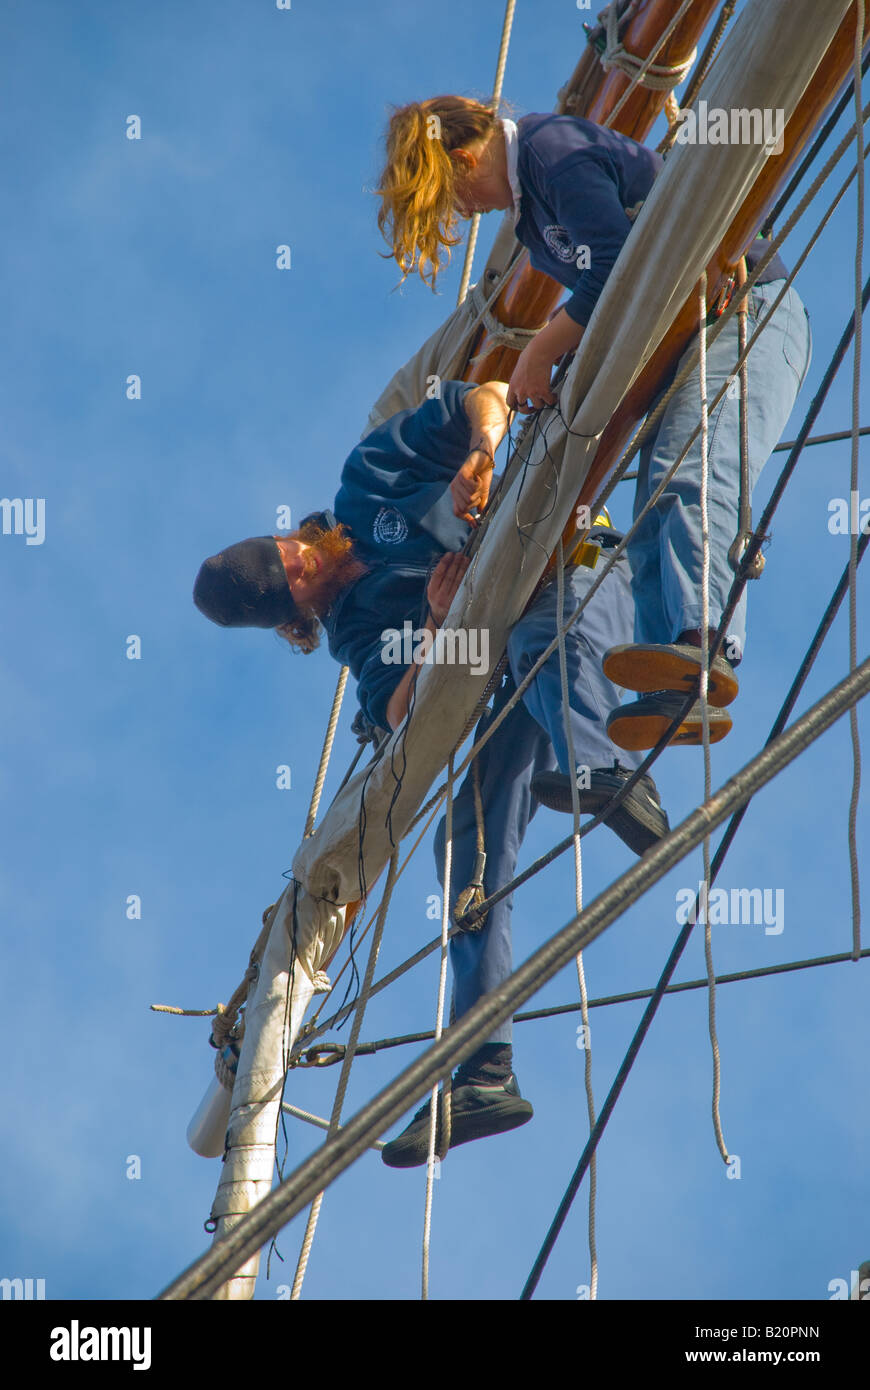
(387, 560)
(574, 189)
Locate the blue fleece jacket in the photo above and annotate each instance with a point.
(395, 500)
(577, 180)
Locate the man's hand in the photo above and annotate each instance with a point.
(446, 579)
(530, 380)
(470, 487)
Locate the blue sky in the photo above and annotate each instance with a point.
(157, 777)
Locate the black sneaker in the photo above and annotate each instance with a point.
(639, 820)
(641, 724)
(475, 1111)
(651, 667)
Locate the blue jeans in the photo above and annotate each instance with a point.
(532, 739)
(665, 553)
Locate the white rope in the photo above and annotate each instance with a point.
(578, 899)
(496, 98)
(439, 1025)
(502, 335)
(344, 1078)
(705, 713)
(318, 1120)
(643, 72)
(326, 752)
(853, 533)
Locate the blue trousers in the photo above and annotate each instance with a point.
(665, 552)
(532, 739)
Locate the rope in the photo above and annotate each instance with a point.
(855, 882)
(474, 893)
(704, 64)
(578, 907)
(326, 752)
(496, 98)
(744, 503)
(317, 1120)
(797, 176)
(439, 1024)
(705, 711)
(344, 1078)
(659, 77)
(503, 335)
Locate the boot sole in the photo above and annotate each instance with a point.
(636, 732)
(646, 667)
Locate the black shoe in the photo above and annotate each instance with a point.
(651, 667)
(641, 724)
(639, 820)
(475, 1111)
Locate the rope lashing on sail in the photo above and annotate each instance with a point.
(501, 335)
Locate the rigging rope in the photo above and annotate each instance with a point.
(439, 1025)
(704, 64)
(325, 752)
(855, 882)
(578, 905)
(661, 77)
(496, 98)
(705, 711)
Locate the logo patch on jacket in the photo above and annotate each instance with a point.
(390, 527)
(559, 242)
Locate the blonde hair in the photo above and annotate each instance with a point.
(418, 185)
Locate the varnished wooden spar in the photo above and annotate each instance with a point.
(529, 296)
(830, 77)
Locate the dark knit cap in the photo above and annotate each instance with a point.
(245, 586)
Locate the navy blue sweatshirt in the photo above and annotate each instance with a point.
(577, 180)
(395, 500)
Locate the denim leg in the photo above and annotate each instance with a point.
(666, 555)
(607, 621)
(519, 748)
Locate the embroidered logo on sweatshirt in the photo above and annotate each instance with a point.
(559, 242)
(390, 527)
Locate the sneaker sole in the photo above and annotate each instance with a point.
(639, 731)
(646, 667)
